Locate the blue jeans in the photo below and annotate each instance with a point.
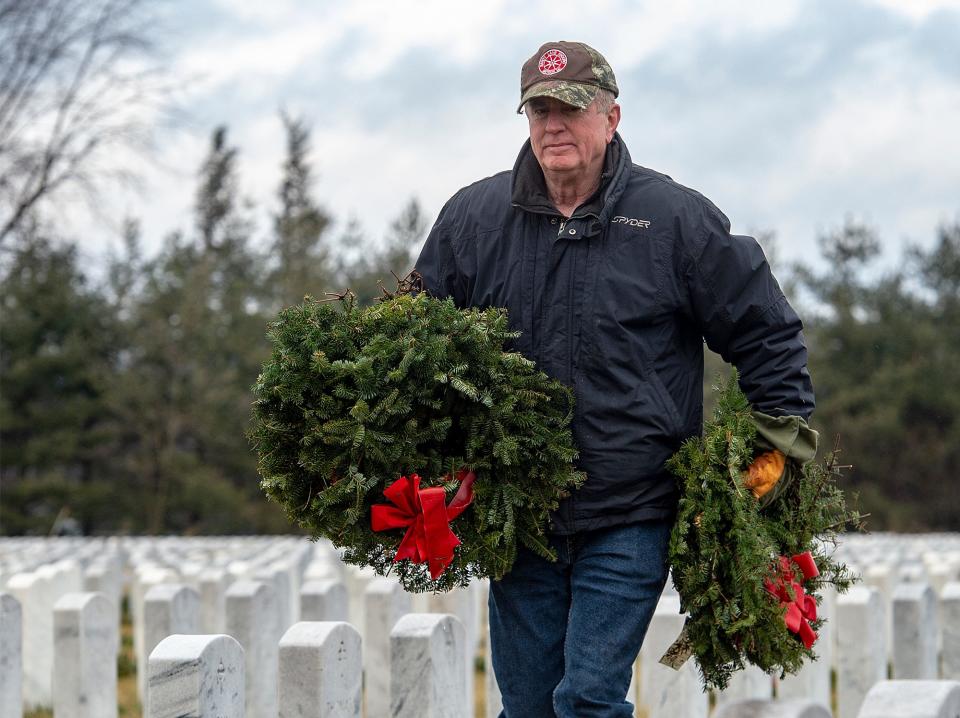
(564, 636)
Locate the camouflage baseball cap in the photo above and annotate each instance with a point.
(571, 72)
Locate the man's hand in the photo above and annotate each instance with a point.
(765, 471)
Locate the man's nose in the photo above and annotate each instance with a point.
(554, 121)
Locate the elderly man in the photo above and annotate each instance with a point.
(615, 275)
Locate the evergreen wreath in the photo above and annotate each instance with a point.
(726, 547)
(353, 398)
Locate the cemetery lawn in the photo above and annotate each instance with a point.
(128, 703)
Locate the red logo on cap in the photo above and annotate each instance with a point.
(552, 61)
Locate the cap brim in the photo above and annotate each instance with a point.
(577, 94)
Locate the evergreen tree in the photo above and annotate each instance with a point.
(301, 258)
(882, 358)
(380, 267)
(57, 351)
(405, 237)
(197, 342)
(216, 195)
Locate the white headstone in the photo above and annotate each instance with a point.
(861, 653)
(67, 577)
(84, 656)
(494, 701)
(940, 575)
(427, 675)
(812, 681)
(323, 568)
(212, 583)
(913, 571)
(357, 578)
(168, 608)
(950, 613)
(912, 699)
(914, 632)
(634, 688)
(252, 618)
(278, 575)
(385, 602)
(462, 603)
(297, 559)
(199, 676)
(143, 580)
(324, 599)
(883, 577)
(105, 575)
(11, 656)
(758, 708)
(32, 592)
(239, 570)
(750, 683)
(665, 691)
(321, 673)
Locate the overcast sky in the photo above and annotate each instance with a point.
(789, 115)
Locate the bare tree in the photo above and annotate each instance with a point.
(74, 87)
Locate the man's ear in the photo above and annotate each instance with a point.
(613, 121)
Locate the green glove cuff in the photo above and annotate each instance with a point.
(790, 435)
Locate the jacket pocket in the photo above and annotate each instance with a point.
(664, 400)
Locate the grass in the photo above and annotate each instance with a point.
(128, 702)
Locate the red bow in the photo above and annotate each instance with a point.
(800, 607)
(428, 538)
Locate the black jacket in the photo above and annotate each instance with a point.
(616, 302)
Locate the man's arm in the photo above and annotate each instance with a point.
(745, 318)
(436, 263)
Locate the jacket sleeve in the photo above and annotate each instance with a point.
(437, 263)
(744, 316)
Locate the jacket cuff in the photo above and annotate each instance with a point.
(789, 434)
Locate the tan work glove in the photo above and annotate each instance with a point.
(786, 443)
(765, 471)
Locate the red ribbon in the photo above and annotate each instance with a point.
(801, 608)
(428, 538)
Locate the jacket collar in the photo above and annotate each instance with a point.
(529, 189)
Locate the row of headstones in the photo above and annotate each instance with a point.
(251, 613)
(252, 619)
(891, 624)
(320, 677)
(254, 612)
(316, 668)
(888, 699)
(887, 561)
(319, 671)
(40, 571)
(852, 643)
(281, 561)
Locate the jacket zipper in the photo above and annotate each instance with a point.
(573, 379)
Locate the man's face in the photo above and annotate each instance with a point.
(567, 139)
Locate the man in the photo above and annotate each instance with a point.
(614, 274)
